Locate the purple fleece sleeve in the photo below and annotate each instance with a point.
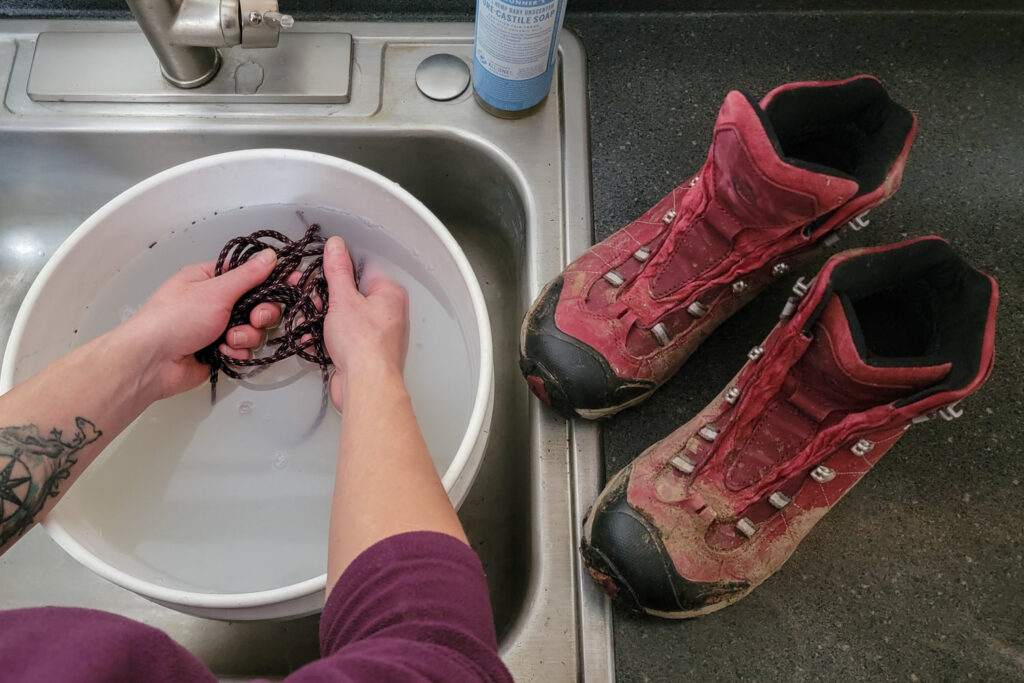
(48, 644)
(413, 607)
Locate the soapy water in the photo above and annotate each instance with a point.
(235, 497)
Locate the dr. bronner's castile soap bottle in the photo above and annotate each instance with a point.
(514, 53)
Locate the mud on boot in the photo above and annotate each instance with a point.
(882, 339)
(782, 177)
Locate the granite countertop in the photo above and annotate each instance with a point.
(918, 574)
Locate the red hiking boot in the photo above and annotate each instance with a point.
(781, 177)
(882, 339)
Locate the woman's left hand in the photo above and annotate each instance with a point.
(190, 311)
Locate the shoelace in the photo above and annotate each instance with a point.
(305, 306)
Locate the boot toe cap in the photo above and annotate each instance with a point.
(568, 374)
(626, 555)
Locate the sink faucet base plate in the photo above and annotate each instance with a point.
(121, 67)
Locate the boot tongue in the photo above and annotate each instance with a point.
(833, 375)
(756, 200)
(756, 184)
(830, 381)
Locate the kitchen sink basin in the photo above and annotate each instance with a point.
(516, 196)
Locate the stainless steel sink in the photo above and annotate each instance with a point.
(515, 194)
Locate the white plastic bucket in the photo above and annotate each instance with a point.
(173, 209)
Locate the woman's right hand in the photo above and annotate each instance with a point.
(366, 334)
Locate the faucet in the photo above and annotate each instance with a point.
(185, 34)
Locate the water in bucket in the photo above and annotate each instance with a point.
(235, 497)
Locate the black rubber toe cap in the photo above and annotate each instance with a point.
(564, 372)
(627, 555)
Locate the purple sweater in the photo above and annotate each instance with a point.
(413, 607)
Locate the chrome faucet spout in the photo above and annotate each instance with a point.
(186, 34)
(183, 66)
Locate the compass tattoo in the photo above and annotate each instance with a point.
(32, 466)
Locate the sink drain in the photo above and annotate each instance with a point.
(442, 77)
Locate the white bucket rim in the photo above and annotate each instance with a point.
(479, 416)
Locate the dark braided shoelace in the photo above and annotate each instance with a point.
(305, 306)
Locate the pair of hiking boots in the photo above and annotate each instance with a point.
(880, 339)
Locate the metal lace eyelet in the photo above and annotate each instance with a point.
(746, 527)
(660, 333)
(697, 309)
(823, 474)
(708, 432)
(683, 463)
(951, 412)
(859, 223)
(862, 447)
(792, 303)
(614, 278)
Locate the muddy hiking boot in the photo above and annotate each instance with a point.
(782, 177)
(882, 339)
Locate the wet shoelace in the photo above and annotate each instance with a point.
(305, 306)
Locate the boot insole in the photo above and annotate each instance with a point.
(897, 323)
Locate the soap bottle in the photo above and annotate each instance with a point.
(514, 50)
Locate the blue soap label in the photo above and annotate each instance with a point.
(514, 51)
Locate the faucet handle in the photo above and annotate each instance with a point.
(281, 21)
(262, 22)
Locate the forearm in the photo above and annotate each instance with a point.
(386, 482)
(56, 423)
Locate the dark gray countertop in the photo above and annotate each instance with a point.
(919, 573)
(409, 10)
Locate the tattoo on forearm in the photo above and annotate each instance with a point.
(32, 466)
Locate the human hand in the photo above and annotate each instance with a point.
(190, 311)
(365, 334)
